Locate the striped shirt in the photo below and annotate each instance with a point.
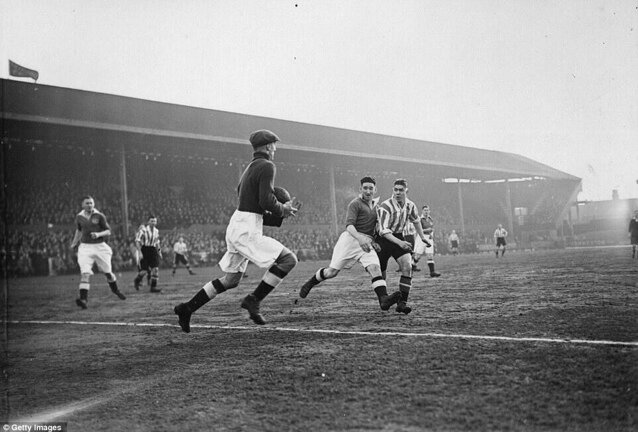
(409, 230)
(148, 236)
(393, 217)
(500, 232)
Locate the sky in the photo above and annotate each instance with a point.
(552, 80)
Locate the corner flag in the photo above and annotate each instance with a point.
(20, 71)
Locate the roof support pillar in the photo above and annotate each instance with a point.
(333, 199)
(461, 215)
(508, 207)
(123, 191)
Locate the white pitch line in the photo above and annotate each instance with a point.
(345, 332)
(56, 413)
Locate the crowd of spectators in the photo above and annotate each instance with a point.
(196, 199)
(185, 193)
(49, 252)
(50, 210)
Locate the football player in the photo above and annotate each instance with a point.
(245, 239)
(92, 232)
(420, 248)
(356, 244)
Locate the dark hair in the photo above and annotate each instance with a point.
(368, 179)
(85, 197)
(151, 216)
(425, 206)
(402, 182)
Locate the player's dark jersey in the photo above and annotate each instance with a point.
(95, 222)
(427, 223)
(362, 216)
(255, 188)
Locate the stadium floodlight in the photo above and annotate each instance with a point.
(522, 179)
(460, 180)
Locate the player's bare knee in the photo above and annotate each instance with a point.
(406, 267)
(231, 280)
(85, 277)
(374, 270)
(154, 272)
(329, 272)
(110, 277)
(286, 261)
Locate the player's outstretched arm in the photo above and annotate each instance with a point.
(419, 231)
(76, 238)
(402, 243)
(290, 208)
(364, 241)
(98, 234)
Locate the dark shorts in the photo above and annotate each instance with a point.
(500, 241)
(410, 239)
(180, 259)
(634, 240)
(454, 243)
(150, 258)
(389, 249)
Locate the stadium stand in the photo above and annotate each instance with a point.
(182, 164)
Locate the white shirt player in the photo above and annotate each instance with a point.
(180, 247)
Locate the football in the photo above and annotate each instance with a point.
(282, 195)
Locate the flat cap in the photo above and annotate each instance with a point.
(262, 137)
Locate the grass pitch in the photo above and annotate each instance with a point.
(534, 341)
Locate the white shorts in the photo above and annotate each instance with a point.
(245, 242)
(347, 251)
(94, 253)
(420, 248)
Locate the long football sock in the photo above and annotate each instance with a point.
(198, 300)
(317, 278)
(405, 284)
(84, 291)
(269, 282)
(206, 294)
(380, 287)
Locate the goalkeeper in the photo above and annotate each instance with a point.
(244, 236)
(356, 244)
